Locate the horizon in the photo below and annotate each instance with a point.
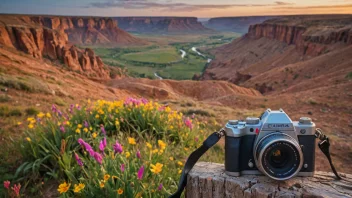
(175, 8)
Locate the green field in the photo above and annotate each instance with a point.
(163, 56)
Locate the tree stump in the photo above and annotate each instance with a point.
(208, 180)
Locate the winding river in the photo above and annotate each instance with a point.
(156, 75)
(200, 54)
(183, 53)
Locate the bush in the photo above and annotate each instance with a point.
(60, 102)
(134, 148)
(15, 112)
(349, 75)
(201, 112)
(5, 111)
(31, 111)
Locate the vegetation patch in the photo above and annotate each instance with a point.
(28, 84)
(31, 111)
(349, 75)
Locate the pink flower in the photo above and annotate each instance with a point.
(193, 115)
(138, 154)
(98, 157)
(7, 184)
(103, 130)
(16, 189)
(86, 124)
(71, 108)
(80, 141)
(122, 167)
(79, 161)
(160, 187)
(87, 147)
(53, 108)
(62, 129)
(140, 173)
(188, 123)
(104, 141)
(117, 147)
(102, 145)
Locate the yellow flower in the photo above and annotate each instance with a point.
(94, 135)
(180, 163)
(114, 177)
(63, 187)
(30, 126)
(67, 123)
(78, 187)
(157, 168)
(28, 139)
(19, 123)
(149, 145)
(117, 123)
(85, 130)
(79, 126)
(88, 101)
(171, 127)
(78, 130)
(30, 119)
(102, 184)
(179, 171)
(40, 115)
(171, 159)
(128, 154)
(97, 116)
(161, 144)
(131, 141)
(119, 191)
(106, 177)
(90, 128)
(48, 115)
(155, 151)
(186, 149)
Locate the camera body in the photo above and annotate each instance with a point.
(273, 145)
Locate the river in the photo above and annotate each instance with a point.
(156, 75)
(183, 53)
(200, 54)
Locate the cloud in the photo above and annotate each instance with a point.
(283, 3)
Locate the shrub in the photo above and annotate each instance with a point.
(349, 75)
(31, 111)
(201, 112)
(15, 112)
(5, 111)
(312, 101)
(60, 102)
(134, 147)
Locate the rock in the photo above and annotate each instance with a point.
(209, 180)
(310, 113)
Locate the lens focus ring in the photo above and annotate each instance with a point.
(279, 156)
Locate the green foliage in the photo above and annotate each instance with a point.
(60, 102)
(27, 84)
(5, 111)
(31, 111)
(312, 101)
(349, 75)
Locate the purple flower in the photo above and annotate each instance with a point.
(81, 141)
(138, 154)
(87, 146)
(104, 141)
(144, 101)
(86, 124)
(79, 107)
(160, 187)
(117, 147)
(122, 167)
(103, 130)
(62, 129)
(196, 139)
(79, 161)
(71, 108)
(140, 173)
(98, 157)
(59, 113)
(102, 145)
(53, 108)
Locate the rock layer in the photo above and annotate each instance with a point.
(161, 24)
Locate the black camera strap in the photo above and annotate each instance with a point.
(324, 146)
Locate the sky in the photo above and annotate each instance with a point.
(196, 8)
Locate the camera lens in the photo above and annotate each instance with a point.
(279, 156)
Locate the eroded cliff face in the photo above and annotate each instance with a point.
(40, 41)
(161, 24)
(307, 42)
(88, 30)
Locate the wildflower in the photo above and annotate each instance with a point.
(53, 108)
(78, 187)
(161, 144)
(30, 126)
(157, 168)
(19, 123)
(71, 108)
(28, 139)
(179, 171)
(78, 130)
(79, 126)
(40, 115)
(63, 187)
(86, 124)
(90, 128)
(16, 188)
(117, 148)
(138, 154)
(94, 135)
(122, 167)
(120, 191)
(62, 129)
(59, 113)
(106, 177)
(155, 151)
(103, 129)
(188, 123)
(117, 123)
(48, 115)
(102, 146)
(140, 173)
(180, 163)
(114, 177)
(97, 116)
(171, 159)
(79, 161)
(98, 157)
(149, 145)
(131, 141)
(87, 147)
(7, 184)
(102, 184)
(85, 130)
(128, 154)
(160, 187)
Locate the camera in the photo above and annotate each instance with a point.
(272, 144)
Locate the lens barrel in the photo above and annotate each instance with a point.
(279, 156)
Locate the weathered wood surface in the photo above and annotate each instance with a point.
(208, 180)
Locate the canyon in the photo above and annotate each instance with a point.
(161, 24)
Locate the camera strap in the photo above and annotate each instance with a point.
(193, 158)
(324, 146)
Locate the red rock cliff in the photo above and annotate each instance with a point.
(39, 41)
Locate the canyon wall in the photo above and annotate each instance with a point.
(161, 24)
(89, 30)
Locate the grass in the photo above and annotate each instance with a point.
(5, 111)
(31, 111)
(165, 55)
(59, 102)
(201, 112)
(4, 98)
(28, 84)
